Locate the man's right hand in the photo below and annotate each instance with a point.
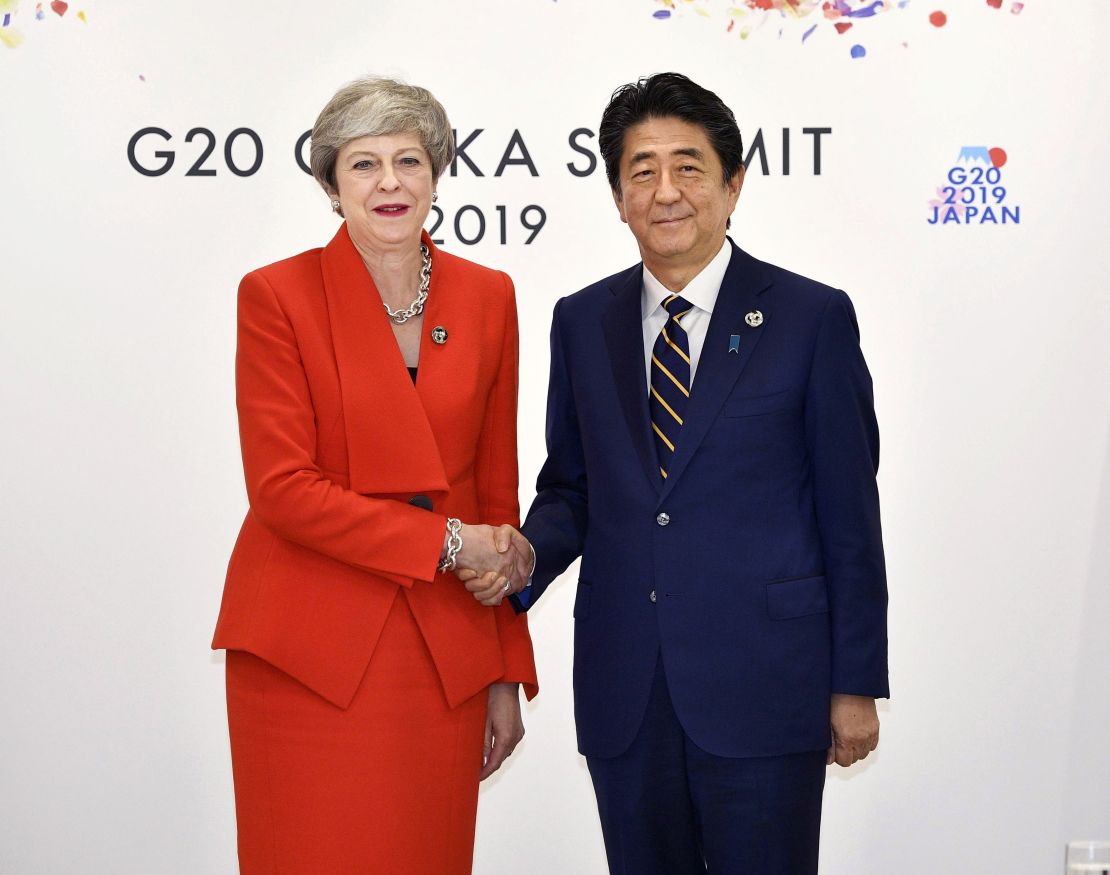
(494, 562)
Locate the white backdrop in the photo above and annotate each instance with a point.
(122, 490)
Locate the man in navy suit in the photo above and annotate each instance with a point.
(712, 451)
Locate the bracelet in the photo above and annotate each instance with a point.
(454, 545)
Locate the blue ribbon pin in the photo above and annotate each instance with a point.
(734, 343)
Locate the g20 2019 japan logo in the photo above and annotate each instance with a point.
(975, 192)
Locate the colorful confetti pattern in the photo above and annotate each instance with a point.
(744, 17)
(12, 10)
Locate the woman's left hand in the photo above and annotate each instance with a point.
(504, 727)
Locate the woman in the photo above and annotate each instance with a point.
(364, 686)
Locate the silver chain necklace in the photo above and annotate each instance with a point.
(400, 317)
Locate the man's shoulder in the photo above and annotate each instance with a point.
(797, 290)
(587, 301)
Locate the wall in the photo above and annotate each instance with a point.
(123, 489)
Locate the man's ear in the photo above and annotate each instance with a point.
(734, 185)
(619, 201)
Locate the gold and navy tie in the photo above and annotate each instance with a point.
(670, 381)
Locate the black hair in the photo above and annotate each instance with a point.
(660, 96)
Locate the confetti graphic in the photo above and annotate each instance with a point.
(9, 35)
(10, 10)
(808, 18)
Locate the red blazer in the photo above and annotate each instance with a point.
(336, 439)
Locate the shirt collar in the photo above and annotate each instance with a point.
(701, 291)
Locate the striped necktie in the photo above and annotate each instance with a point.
(670, 381)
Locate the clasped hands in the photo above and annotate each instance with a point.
(494, 562)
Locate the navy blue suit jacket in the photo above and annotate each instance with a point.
(765, 589)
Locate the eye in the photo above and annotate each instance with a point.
(642, 173)
(364, 164)
(410, 161)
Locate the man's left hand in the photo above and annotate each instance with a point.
(855, 729)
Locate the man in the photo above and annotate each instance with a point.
(712, 451)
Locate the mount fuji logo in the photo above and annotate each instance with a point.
(974, 193)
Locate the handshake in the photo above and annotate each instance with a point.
(494, 562)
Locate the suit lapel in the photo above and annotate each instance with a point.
(622, 323)
(390, 444)
(718, 369)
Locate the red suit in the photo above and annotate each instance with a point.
(357, 674)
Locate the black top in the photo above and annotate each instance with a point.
(412, 373)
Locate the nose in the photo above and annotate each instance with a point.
(666, 192)
(389, 181)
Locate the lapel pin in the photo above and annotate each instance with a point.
(754, 318)
(734, 344)
(439, 335)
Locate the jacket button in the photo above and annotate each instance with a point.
(652, 597)
(663, 519)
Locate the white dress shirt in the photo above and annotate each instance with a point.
(701, 291)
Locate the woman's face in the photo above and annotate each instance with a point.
(385, 189)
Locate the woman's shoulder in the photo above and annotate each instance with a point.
(477, 277)
(301, 267)
(292, 286)
(292, 283)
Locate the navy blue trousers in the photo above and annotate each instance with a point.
(670, 808)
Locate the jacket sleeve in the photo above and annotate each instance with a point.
(556, 523)
(498, 488)
(287, 491)
(843, 442)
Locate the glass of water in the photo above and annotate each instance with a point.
(1088, 858)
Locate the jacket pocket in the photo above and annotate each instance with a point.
(582, 599)
(800, 597)
(760, 404)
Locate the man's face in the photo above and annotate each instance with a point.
(672, 195)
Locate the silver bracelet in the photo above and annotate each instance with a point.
(454, 545)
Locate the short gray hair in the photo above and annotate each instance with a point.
(375, 107)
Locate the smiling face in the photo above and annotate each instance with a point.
(385, 189)
(672, 194)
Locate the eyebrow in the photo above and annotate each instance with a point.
(688, 151)
(376, 154)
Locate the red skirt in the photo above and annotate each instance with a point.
(389, 785)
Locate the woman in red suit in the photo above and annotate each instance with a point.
(368, 690)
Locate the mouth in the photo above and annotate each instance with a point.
(671, 220)
(391, 210)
